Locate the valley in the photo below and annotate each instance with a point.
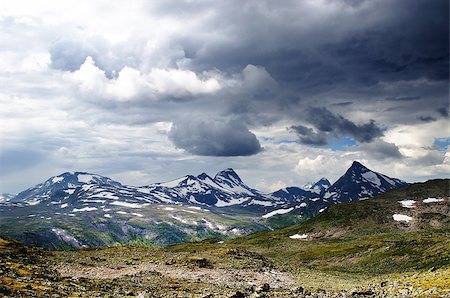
(355, 249)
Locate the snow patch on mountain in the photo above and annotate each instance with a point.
(231, 202)
(85, 209)
(371, 177)
(33, 202)
(6, 197)
(432, 200)
(402, 217)
(277, 212)
(57, 179)
(128, 205)
(299, 236)
(407, 203)
(262, 203)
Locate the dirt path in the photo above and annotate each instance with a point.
(231, 277)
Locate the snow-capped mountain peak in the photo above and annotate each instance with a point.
(80, 190)
(308, 185)
(230, 180)
(204, 176)
(360, 182)
(320, 186)
(6, 197)
(57, 184)
(228, 175)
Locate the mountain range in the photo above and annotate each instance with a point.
(82, 209)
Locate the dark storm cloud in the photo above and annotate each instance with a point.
(214, 138)
(287, 55)
(379, 40)
(308, 136)
(308, 49)
(427, 119)
(342, 104)
(443, 111)
(326, 121)
(381, 150)
(307, 46)
(405, 98)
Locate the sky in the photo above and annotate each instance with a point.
(284, 92)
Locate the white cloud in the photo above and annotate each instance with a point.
(147, 50)
(270, 187)
(410, 138)
(131, 82)
(327, 164)
(180, 82)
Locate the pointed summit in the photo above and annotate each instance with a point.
(361, 182)
(229, 179)
(321, 186)
(323, 181)
(203, 176)
(229, 174)
(358, 165)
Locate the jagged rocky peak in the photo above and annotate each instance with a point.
(228, 174)
(324, 182)
(204, 176)
(229, 179)
(357, 166)
(361, 182)
(321, 186)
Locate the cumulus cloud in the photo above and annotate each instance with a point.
(313, 166)
(328, 124)
(308, 136)
(69, 55)
(257, 77)
(326, 121)
(131, 82)
(374, 71)
(214, 138)
(263, 186)
(381, 150)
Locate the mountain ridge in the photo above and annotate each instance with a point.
(183, 209)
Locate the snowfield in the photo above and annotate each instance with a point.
(128, 205)
(432, 200)
(298, 236)
(371, 177)
(401, 217)
(278, 211)
(84, 209)
(407, 203)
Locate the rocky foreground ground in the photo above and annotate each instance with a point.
(154, 272)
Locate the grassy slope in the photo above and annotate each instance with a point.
(157, 225)
(352, 245)
(353, 242)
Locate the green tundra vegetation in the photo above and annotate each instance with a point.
(351, 249)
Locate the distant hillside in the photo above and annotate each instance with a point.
(402, 230)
